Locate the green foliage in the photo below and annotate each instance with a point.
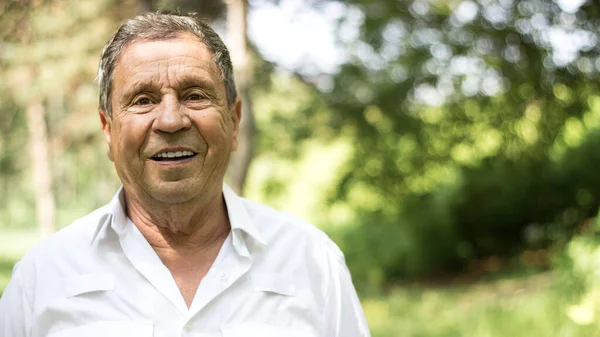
(384, 247)
(475, 119)
(496, 209)
(474, 135)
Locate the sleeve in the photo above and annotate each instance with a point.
(15, 310)
(343, 314)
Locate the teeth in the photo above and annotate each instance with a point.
(176, 154)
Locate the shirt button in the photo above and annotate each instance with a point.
(224, 276)
(187, 328)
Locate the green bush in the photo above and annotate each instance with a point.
(500, 208)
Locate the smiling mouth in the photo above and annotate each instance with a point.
(174, 155)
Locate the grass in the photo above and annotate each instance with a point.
(524, 304)
(529, 305)
(13, 245)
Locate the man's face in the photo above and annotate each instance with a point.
(171, 132)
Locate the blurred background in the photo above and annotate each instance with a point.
(450, 147)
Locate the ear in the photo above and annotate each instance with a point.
(236, 117)
(106, 123)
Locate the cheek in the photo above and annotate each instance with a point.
(213, 128)
(217, 138)
(131, 134)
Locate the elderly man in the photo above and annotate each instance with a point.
(176, 252)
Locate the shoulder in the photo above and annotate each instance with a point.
(43, 271)
(75, 238)
(277, 226)
(298, 248)
(294, 246)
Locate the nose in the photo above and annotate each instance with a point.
(172, 116)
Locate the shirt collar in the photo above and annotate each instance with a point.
(112, 213)
(239, 219)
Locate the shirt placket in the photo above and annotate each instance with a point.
(221, 276)
(145, 260)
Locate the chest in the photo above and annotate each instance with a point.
(136, 297)
(188, 281)
(271, 304)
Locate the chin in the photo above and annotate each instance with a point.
(171, 198)
(173, 193)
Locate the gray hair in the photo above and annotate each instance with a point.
(161, 26)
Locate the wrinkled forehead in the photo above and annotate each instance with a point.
(184, 52)
(189, 43)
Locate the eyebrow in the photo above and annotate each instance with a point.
(189, 82)
(206, 85)
(135, 89)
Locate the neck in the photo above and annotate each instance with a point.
(180, 229)
(186, 237)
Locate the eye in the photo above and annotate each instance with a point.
(194, 97)
(142, 101)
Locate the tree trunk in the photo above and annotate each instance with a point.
(238, 47)
(42, 175)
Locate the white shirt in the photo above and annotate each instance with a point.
(275, 276)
